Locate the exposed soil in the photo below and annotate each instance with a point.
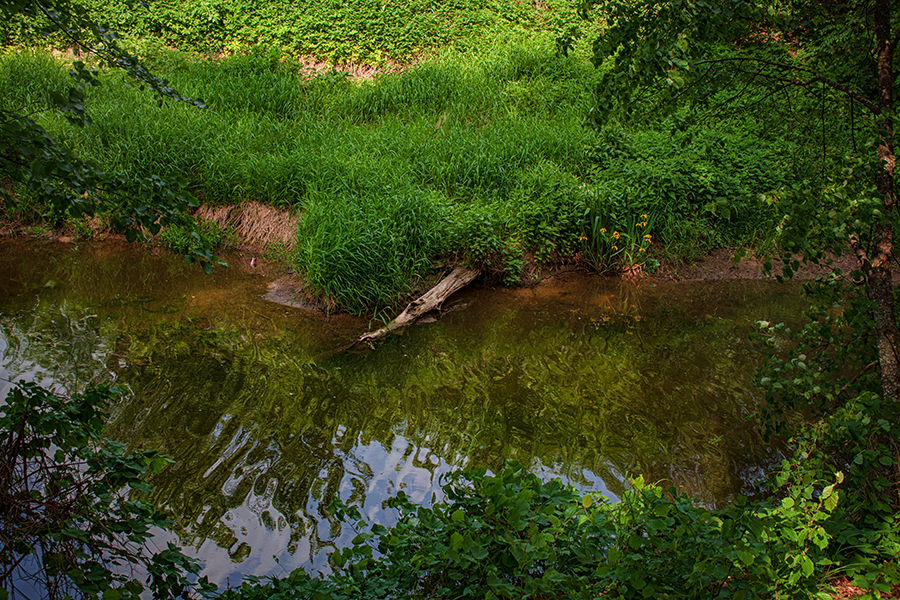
(256, 227)
(720, 264)
(844, 590)
(261, 230)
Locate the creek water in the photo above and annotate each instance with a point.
(586, 378)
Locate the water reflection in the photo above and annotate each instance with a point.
(585, 378)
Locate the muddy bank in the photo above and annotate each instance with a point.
(260, 228)
(261, 231)
(720, 264)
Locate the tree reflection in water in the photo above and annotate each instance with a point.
(585, 378)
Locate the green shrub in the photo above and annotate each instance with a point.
(510, 535)
(825, 390)
(70, 524)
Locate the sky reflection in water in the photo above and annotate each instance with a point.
(580, 377)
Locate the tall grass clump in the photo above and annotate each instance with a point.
(260, 82)
(28, 79)
(489, 153)
(363, 252)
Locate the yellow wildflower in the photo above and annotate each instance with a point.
(615, 235)
(642, 250)
(603, 230)
(615, 247)
(644, 216)
(648, 237)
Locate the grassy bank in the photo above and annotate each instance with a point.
(476, 157)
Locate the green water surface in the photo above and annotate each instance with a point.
(592, 379)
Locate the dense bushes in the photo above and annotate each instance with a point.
(510, 535)
(369, 31)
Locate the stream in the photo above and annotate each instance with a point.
(586, 378)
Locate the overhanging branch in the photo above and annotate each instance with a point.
(805, 83)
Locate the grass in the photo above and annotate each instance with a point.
(481, 156)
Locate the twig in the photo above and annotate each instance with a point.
(265, 317)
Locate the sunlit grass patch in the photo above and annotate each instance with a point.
(485, 157)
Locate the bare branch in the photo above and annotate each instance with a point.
(816, 78)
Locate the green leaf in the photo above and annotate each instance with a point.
(806, 565)
(456, 540)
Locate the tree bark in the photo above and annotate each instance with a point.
(877, 268)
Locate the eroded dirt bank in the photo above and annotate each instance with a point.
(268, 234)
(261, 228)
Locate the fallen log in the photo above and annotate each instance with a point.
(431, 300)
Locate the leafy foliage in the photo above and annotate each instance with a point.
(829, 374)
(365, 31)
(188, 241)
(70, 525)
(828, 388)
(68, 184)
(511, 535)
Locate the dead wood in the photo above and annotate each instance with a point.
(431, 300)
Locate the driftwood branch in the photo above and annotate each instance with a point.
(431, 300)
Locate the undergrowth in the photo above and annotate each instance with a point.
(489, 155)
(366, 31)
(205, 235)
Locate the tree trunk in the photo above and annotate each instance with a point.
(877, 268)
